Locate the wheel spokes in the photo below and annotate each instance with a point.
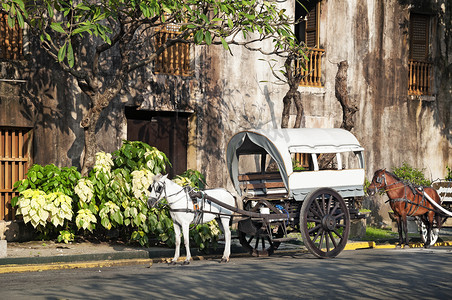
(330, 201)
(333, 239)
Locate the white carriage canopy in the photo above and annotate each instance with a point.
(280, 143)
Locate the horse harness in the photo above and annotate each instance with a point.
(416, 190)
(192, 201)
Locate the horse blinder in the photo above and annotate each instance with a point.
(158, 191)
(377, 182)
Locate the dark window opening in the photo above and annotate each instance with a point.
(306, 30)
(167, 131)
(307, 14)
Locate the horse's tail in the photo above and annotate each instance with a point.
(439, 219)
(438, 215)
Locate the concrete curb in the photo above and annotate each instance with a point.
(367, 245)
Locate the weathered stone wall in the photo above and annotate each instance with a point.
(236, 93)
(372, 36)
(231, 93)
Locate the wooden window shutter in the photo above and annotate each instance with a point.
(312, 28)
(419, 36)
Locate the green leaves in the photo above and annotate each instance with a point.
(136, 155)
(416, 176)
(57, 27)
(49, 179)
(113, 196)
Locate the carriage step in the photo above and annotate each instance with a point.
(284, 239)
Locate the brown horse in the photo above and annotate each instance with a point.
(407, 199)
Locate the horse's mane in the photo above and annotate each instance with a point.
(407, 182)
(392, 174)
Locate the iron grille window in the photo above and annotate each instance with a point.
(14, 162)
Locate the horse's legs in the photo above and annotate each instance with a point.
(177, 237)
(186, 234)
(405, 228)
(429, 224)
(399, 228)
(227, 239)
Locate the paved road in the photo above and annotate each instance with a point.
(361, 274)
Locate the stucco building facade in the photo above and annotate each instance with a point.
(399, 118)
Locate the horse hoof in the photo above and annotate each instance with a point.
(186, 262)
(224, 260)
(172, 263)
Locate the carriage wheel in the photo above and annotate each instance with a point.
(260, 244)
(433, 235)
(324, 223)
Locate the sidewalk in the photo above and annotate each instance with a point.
(48, 255)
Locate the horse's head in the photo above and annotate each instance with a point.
(378, 182)
(157, 190)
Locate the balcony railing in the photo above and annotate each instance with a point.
(312, 71)
(420, 78)
(175, 60)
(11, 39)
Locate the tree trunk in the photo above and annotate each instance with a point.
(287, 100)
(294, 94)
(90, 147)
(348, 108)
(89, 122)
(299, 106)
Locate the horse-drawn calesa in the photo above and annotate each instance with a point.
(305, 179)
(409, 200)
(287, 180)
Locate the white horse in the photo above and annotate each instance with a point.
(183, 213)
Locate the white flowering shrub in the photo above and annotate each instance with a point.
(114, 195)
(141, 180)
(40, 208)
(110, 212)
(60, 208)
(103, 164)
(85, 219)
(84, 190)
(32, 206)
(45, 200)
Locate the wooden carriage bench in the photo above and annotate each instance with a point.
(262, 184)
